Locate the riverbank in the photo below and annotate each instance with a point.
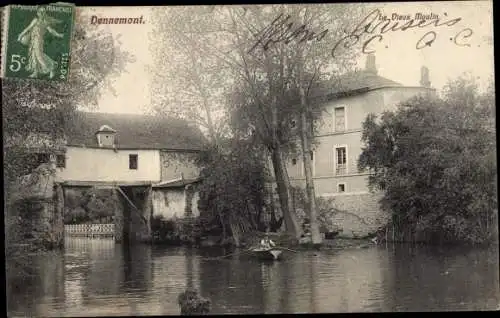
(253, 239)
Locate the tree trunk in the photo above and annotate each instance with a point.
(310, 193)
(283, 184)
(306, 151)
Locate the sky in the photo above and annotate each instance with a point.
(396, 56)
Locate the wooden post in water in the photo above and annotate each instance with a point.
(148, 212)
(58, 220)
(118, 221)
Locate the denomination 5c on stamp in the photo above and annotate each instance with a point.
(37, 41)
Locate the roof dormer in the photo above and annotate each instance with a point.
(106, 136)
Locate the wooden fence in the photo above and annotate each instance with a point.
(89, 230)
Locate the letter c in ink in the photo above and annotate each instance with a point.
(462, 35)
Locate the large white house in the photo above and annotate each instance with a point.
(338, 143)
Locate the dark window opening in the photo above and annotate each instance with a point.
(294, 161)
(61, 161)
(293, 124)
(42, 158)
(312, 155)
(132, 162)
(341, 187)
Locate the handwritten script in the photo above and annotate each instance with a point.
(374, 26)
(280, 30)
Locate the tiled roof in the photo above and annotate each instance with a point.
(176, 183)
(135, 131)
(359, 81)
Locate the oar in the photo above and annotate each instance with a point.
(288, 249)
(220, 257)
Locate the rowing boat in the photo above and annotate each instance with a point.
(267, 253)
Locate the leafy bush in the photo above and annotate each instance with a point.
(90, 206)
(435, 159)
(175, 231)
(324, 206)
(192, 303)
(232, 189)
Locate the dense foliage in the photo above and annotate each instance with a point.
(435, 159)
(90, 206)
(232, 191)
(192, 303)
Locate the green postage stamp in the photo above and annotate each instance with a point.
(36, 41)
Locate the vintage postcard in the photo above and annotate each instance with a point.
(249, 159)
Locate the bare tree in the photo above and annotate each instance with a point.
(188, 82)
(269, 59)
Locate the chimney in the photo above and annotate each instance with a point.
(370, 64)
(424, 77)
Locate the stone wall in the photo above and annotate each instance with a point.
(176, 203)
(173, 164)
(33, 214)
(358, 214)
(36, 222)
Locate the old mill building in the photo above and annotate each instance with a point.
(338, 144)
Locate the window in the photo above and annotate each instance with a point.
(61, 161)
(293, 123)
(341, 187)
(132, 162)
(42, 158)
(294, 161)
(339, 119)
(311, 153)
(340, 160)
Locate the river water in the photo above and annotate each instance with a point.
(95, 277)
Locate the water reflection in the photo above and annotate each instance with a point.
(450, 279)
(98, 277)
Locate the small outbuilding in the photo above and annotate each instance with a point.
(176, 199)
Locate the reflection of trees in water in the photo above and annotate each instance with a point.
(425, 278)
(103, 263)
(277, 293)
(43, 279)
(313, 275)
(137, 267)
(233, 285)
(189, 268)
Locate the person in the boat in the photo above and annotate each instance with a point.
(266, 242)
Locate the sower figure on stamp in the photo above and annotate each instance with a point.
(33, 37)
